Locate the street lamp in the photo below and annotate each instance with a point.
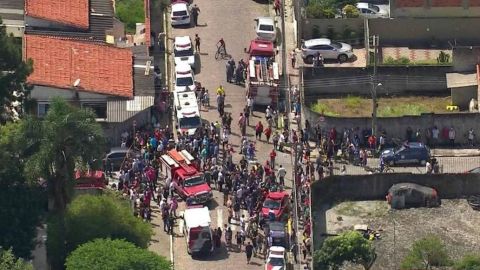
(374, 107)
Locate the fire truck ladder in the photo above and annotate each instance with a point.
(264, 69)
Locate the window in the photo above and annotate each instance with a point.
(42, 109)
(100, 109)
(266, 27)
(325, 48)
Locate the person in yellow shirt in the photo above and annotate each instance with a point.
(221, 90)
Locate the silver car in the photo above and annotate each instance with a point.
(327, 48)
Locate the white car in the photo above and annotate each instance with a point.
(266, 29)
(276, 259)
(327, 48)
(183, 51)
(184, 79)
(372, 11)
(180, 14)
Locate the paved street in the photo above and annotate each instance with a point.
(234, 22)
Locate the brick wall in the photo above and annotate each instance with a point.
(409, 3)
(446, 3)
(147, 22)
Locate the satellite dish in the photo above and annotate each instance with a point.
(76, 83)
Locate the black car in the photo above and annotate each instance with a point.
(279, 234)
(407, 154)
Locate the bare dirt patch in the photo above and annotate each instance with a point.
(353, 106)
(455, 222)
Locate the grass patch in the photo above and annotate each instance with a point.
(323, 108)
(353, 102)
(362, 209)
(401, 110)
(130, 12)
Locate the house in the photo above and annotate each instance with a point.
(79, 54)
(464, 83)
(12, 14)
(434, 8)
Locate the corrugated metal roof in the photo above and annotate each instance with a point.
(455, 80)
(122, 110)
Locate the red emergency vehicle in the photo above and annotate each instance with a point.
(183, 169)
(262, 73)
(90, 180)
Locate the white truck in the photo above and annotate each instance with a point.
(197, 230)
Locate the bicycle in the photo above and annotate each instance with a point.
(221, 53)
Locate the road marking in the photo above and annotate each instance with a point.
(219, 217)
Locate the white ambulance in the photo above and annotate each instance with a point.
(197, 230)
(187, 112)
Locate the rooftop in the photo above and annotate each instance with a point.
(60, 61)
(12, 4)
(455, 80)
(69, 12)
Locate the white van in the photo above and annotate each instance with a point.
(197, 230)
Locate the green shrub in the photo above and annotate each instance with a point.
(114, 254)
(89, 217)
(399, 61)
(353, 102)
(130, 12)
(350, 11)
(323, 109)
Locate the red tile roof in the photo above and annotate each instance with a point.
(59, 62)
(71, 12)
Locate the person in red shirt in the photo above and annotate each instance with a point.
(268, 133)
(259, 130)
(273, 155)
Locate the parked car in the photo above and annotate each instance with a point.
(276, 203)
(115, 157)
(373, 11)
(407, 154)
(276, 258)
(180, 14)
(266, 29)
(474, 170)
(327, 48)
(403, 195)
(183, 51)
(184, 78)
(278, 232)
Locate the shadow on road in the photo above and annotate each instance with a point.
(217, 255)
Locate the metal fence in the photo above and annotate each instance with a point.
(446, 165)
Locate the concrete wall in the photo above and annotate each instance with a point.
(461, 96)
(375, 187)
(465, 58)
(395, 80)
(396, 127)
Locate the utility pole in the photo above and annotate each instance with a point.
(374, 85)
(285, 94)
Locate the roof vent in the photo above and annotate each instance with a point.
(186, 103)
(185, 95)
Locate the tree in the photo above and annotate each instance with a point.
(468, 262)
(22, 202)
(89, 217)
(426, 253)
(349, 246)
(9, 262)
(13, 74)
(114, 254)
(66, 137)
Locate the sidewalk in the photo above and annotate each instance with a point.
(446, 152)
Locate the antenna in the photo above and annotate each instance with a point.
(76, 83)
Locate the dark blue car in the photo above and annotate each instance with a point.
(407, 154)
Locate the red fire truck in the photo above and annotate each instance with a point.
(183, 168)
(262, 73)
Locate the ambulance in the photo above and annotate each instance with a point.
(187, 112)
(197, 231)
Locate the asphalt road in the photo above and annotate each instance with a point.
(233, 21)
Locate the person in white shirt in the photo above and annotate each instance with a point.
(451, 136)
(435, 134)
(281, 142)
(250, 105)
(281, 175)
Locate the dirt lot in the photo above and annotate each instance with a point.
(454, 222)
(352, 106)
